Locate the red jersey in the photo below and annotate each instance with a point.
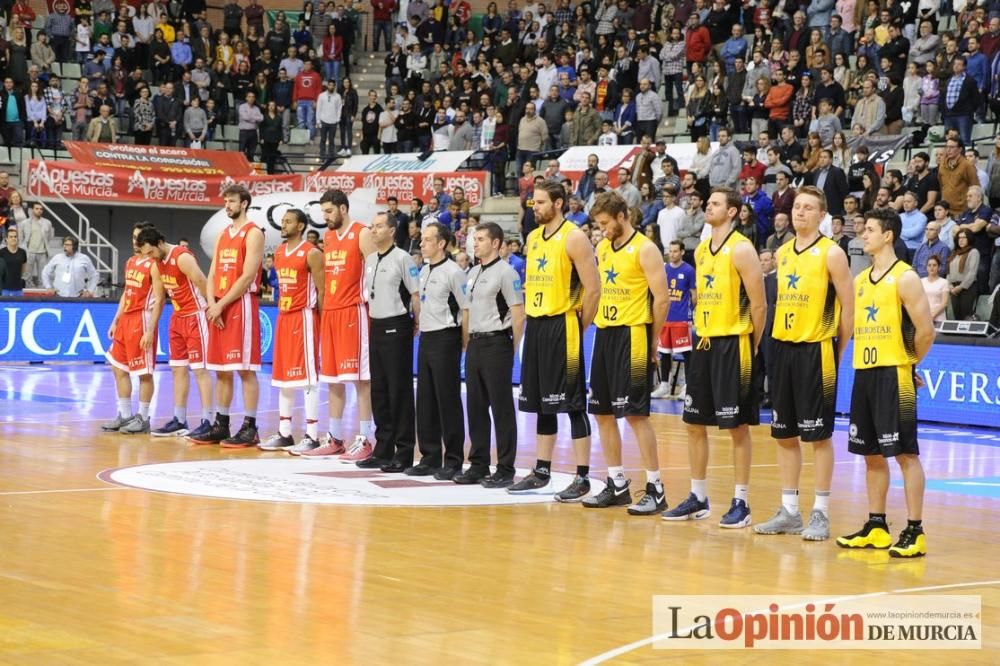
(184, 295)
(138, 284)
(344, 267)
(296, 289)
(230, 255)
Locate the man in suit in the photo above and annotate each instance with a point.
(169, 115)
(832, 180)
(642, 169)
(770, 273)
(961, 99)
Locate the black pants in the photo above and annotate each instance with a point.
(369, 143)
(644, 127)
(489, 363)
(167, 136)
(439, 398)
(248, 143)
(392, 388)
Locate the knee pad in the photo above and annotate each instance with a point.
(579, 425)
(547, 424)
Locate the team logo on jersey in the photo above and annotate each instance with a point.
(312, 482)
(814, 252)
(266, 332)
(853, 430)
(890, 280)
(414, 271)
(517, 285)
(725, 250)
(688, 401)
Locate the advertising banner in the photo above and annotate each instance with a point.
(403, 186)
(442, 160)
(169, 159)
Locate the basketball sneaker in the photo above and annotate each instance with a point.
(115, 424)
(690, 509)
(530, 483)
(872, 535)
(215, 434)
(360, 449)
(819, 527)
(612, 495)
(738, 515)
(498, 480)
(135, 426)
(681, 393)
(277, 442)
(328, 447)
(174, 428)
(578, 488)
(247, 437)
(912, 543)
(201, 430)
(651, 503)
(784, 522)
(661, 391)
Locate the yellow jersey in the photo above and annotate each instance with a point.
(551, 284)
(883, 332)
(625, 296)
(807, 309)
(723, 306)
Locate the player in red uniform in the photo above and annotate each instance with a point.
(133, 335)
(299, 265)
(185, 286)
(343, 343)
(234, 321)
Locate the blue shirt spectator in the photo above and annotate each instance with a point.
(680, 282)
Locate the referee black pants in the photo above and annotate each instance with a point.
(439, 398)
(391, 366)
(489, 364)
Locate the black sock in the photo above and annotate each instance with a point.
(222, 419)
(543, 467)
(583, 470)
(250, 421)
(877, 518)
(915, 524)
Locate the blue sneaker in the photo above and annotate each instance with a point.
(738, 515)
(201, 430)
(689, 509)
(174, 428)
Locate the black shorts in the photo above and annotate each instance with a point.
(720, 383)
(803, 386)
(883, 412)
(621, 373)
(553, 374)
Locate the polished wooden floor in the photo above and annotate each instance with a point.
(94, 573)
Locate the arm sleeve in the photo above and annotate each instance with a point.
(458, 287)
(411, 274)
(511, 287)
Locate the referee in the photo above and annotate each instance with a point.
(391, 287)
(439, 378)
(494, 321)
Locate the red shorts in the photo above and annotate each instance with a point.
(189, 340)
(296, 350)
(343, 345)
(236, 346)
(675, 337)
(125, 353)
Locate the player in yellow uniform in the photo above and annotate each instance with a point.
(634, 302)
(815, 304)
(561, 292)
(729, 323)
(893, 331)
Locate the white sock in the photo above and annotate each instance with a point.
(286, 401)
(208, 413)
(700, 489)
(181, 414)
(285, 426)
(336, 428)
(617, 475)
(125, 407)
(822, 502)
(223, 410)
(312, 412)
(251, 413)
(654, 478)
(742, 492)
(790, 500)
(144, 410)
(368, 430)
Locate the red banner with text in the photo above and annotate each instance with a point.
(404, 186)
(169, 159)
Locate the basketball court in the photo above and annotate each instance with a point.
(120, 549)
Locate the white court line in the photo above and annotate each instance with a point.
(61, 490)
(625, 649)
(105, 418)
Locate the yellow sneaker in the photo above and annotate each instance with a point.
(912, 543)
(872, 535)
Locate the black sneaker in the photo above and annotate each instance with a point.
(421, 469)
(498, 480)
(575, 491)
(215, 435)
(372, 463)
(912, 543)
(530, 483)
(246, 438)
(653, 503)
(610, 496)
(447, 473)
(473, 475)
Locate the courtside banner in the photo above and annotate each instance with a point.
(865, 622)
(90, 183)
(405, 186)
(188, 161)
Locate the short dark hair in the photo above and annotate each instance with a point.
(391, 200)
(238, 191)
(731, 195)
(443, 232)
(679, 244)
(493, 230)
(141, 225)
(888, 220)
(335, 197)
(149, 236)
(391, 221)
(300, 217)
(554, 190)
(183, 239)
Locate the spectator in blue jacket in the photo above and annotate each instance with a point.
(733, 48)
(818, 15)
(762, 205)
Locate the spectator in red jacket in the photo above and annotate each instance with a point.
(462, 10)
(308, 86)
(751, 167)
(698, 42)
(778, 103)
(382, 16)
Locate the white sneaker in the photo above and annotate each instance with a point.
(681, 393)
(661, 391)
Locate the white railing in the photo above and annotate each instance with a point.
(101, 250)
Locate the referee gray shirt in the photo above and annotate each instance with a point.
(493, 288)
(442, 296)
(390, 279)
